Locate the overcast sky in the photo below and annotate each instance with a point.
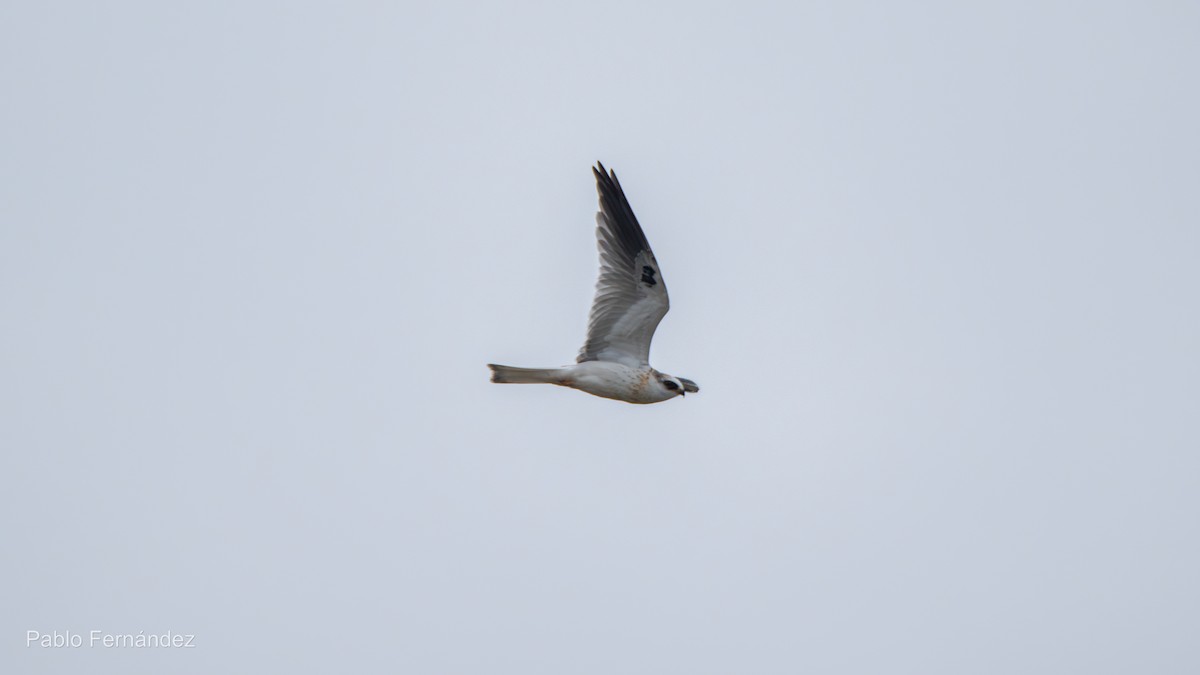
(934, 266)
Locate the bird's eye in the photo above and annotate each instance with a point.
(670, 384)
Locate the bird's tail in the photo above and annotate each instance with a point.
(511, 375)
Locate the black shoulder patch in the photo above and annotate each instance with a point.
(648, 275)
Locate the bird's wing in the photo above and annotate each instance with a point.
(631, 297)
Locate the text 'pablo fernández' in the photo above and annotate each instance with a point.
(103, 639)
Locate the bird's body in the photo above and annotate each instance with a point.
(631, 299)
(606, 379)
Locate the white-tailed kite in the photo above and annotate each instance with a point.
(631, 299)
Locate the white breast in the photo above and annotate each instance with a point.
(616, 380)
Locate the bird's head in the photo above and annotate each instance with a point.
(677, 386)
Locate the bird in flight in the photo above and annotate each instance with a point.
(631, 299)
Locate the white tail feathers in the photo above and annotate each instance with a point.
(511, 375)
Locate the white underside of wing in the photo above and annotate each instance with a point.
(625, 314)
(631, 297)
(628, 338)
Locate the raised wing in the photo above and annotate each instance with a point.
(631, 297)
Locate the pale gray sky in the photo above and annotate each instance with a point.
(933, 264)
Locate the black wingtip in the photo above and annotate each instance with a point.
(615, 207)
